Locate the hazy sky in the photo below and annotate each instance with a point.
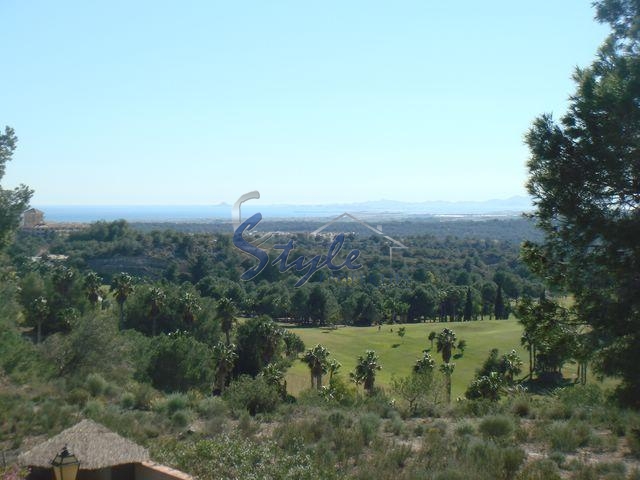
(198, 102)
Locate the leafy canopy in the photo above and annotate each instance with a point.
(585, 182)
(15, 201)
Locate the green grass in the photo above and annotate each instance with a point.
(397, 355)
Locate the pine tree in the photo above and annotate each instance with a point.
(584, 177)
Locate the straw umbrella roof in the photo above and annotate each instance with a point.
(94, 445)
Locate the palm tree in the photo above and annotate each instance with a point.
(189, 306)
(122, 287)
(365, 371)
(512, 365)
(316, 359)
(527, 341)
(226, 312)
(426, 364)
(157, 299)
(333, 367)
(40, 311)
(92, 284)
(62, 279)
(402, 332)
(445, 343)
(447, 370)
(271, 335)
(431, 337)
(274, 376)
(224, 357)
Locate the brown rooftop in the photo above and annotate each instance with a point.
(94, 445)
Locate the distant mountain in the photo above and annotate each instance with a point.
(513, 205)
(202, 213)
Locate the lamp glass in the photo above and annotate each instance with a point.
(65, 465)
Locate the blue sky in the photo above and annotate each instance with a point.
(198, 102)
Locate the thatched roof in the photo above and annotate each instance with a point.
(94, 445)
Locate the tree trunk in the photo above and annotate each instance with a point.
(121, 315)
(533, 348)
(369, 386)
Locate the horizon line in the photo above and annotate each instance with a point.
(225, 204)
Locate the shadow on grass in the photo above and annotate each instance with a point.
(395, 345)
(545, 386)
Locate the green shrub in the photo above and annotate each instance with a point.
(604, 470)
(558, 457)
(580, 396)
(488, 387)
(521, 406)
(604, 442)
(145, 395)
(96, 384)
(339, 392)
(338, 419)
(396, 457)
(369, 424)
(465, 428)
(180, 418)
(172, 403)
(378, 403)
(540, 470)
(93, 408)
(611, 469)
(128, 400)
(557, 411)
(440, 427)
(496, 426)
(179, 362)
(395, 424)
(568, 436)
(348, 444)
(237, 457)
(311, 398)
(216, 425)
(491, 460)
(253, 395)
(512, 459)
(78, 396)
(485, 456)
(451, 474)
(303, 431)
(210, 407)
(633, 441)
(476, 408)
(246, 426)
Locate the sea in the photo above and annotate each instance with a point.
(222, 212)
